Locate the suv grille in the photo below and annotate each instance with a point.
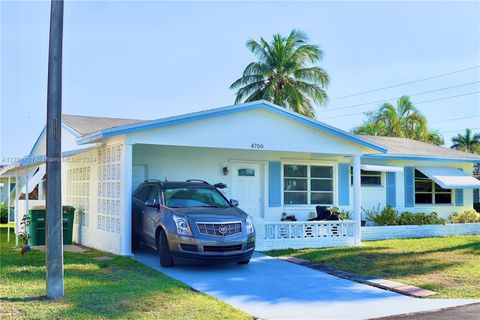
(222, 248)
(220, 229)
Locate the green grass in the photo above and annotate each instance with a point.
(117, 288)
(449, 266)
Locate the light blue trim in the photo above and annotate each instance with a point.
(344, 184)
(224, 111)
(66, 127)
(418, 158)
(459, 195)
(409, 180)
(391, 189)
(274, 184)
(37, 141)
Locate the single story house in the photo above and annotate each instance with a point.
(272, 160)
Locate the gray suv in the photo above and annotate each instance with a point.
(191, 221)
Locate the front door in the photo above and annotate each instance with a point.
(247, 188)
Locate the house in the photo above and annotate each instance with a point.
(272, 160)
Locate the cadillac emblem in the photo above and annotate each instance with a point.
(222, 229)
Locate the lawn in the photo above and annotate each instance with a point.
(449, 266)
(117, 288)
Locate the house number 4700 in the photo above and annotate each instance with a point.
(257, 146)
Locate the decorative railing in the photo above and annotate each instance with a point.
(303, 234)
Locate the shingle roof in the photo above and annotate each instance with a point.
(404, 146)
(86, 124)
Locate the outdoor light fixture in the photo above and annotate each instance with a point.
(225, 171)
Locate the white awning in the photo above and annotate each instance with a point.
(371, 167)
(35, 179)
(450, 178)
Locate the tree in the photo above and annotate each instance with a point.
(404, 120)
(468, 142)
(285, 73)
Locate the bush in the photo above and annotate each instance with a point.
(387, 217)
(465, 216)
(3, 213)
(410, 218)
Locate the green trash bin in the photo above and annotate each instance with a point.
(36, 228)
(68, 214)
(37, 225)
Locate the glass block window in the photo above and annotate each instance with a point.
(78, 193)
(428, 192)
(306, 184)
(109, 189)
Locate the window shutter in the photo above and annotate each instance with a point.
(274, 183)
(459, 196)
(391, 189)
(409, 176)
(343, 184)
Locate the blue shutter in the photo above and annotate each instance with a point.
(409, 176)
(343, 184)
(274, 183)
(391, 189)
(459, 196)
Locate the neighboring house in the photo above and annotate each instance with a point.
(272, 160)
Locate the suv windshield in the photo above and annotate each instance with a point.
(194, 197)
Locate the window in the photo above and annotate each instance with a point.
(428, 192)
(368, 178)
(246, 172)
(304, 184)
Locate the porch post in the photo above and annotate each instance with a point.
(357, 199)
(15, 220)
(126, 237)
(27, 208)
(8, 209)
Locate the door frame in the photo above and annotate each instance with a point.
(262, 164)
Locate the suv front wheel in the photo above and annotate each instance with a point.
(166, 259)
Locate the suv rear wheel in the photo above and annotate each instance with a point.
(166, 259)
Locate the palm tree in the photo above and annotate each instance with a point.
(401, 121)
(404, 120)
(468, 142)
(284, 73)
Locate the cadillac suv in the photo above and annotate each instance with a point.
(191, 221)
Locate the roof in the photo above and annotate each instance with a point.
(408, 147)
(265, 105)
(86, 124)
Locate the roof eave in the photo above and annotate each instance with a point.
(420, 158)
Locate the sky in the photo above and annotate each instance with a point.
(148, 60)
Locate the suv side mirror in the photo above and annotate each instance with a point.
(234, 202)
(152, 203)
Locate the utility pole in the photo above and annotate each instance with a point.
(54, 225)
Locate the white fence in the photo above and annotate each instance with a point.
(423, 231)
(303, 234)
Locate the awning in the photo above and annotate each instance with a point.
(450, 178)
(35, 179)
(371, 167)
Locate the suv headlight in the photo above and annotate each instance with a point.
(182, 226)
(249, 224)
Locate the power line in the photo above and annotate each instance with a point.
(460, 130)
(420, 102)
(453, 119)
(405, 83)
(410, 95)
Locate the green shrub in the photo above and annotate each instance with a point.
(409, 218)
(387, 217)
(3, 213)
(465, 216)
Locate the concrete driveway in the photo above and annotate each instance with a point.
(269, 288)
